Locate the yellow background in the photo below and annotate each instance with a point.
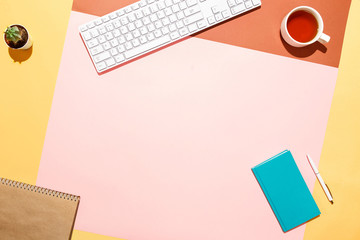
(340, 158)
(26, 91)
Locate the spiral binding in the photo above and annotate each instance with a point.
(37, 189)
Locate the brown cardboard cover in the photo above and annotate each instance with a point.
(29, 212)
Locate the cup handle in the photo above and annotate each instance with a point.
(324, 38)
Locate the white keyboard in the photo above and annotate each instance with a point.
(146, 25)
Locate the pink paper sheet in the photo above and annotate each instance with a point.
(162, 148)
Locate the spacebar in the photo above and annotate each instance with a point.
(147, 46)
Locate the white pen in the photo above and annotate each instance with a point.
(321, 181)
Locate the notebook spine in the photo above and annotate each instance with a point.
(40, 190)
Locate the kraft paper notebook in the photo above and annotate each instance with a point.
(286, 190)
(29, 212)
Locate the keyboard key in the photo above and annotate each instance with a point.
(146, 20)
(119, 58)
(102, 30)
(158, 24)
(172, 27)
(218, 17)
(168, 3)
(238, 8)
(146, 11)
(147, 46)
(120, 12)
(101, 66)
(117, 24)
(153, 17)
(110, 62)
(172, 18)
(138, 24)
(191, 2)
(168, 11)
(161, 5)
(131, 26)
(113, 52)
(215, 9)
(105, 18)
(96, 50)
(113, 15)
(121, 39)
(109, 27)
(151, 27)
(135, 42)
(201, 24)
(129, 37)
(92, 43)
(150, 36)
(101, 57)
(114, 42)
(94, 33)
(98, 22)
(136, 33)
(225, 14)
(128, 45)
(101, 39)
(142, 3)
(175, 8)
(182, 5)
(83, 28)
(121, 48)
(157, 33)
(87, 36)
(165, 30)
(211, 19)
(106, 46)
(154, 8)
(116, 33)
(109, 36)
(135, 6)
(180, 15)
(231, 3)
(239, 1)
(193, 27)
(183, 31)
(193, 18)
(131, 17)
(191, 10)
(160, 14)
(143, 39)
(128, 9)
(91, 25)
(166, 21)
(123, 29)
(174, 35)
(179, 24)
(139, 14)
(143, 30)
(248, 4)
(124, 20)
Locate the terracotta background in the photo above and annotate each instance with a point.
(259, 29)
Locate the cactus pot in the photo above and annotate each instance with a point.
(24, 40)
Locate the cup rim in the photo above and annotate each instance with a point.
(318, 18)
(25, 30)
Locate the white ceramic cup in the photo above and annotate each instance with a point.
(320, 36)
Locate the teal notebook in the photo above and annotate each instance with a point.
(286, 190)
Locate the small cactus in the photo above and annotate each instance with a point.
(13, 34)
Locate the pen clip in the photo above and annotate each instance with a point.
(329, 190)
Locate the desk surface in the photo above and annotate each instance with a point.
(26, 92)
